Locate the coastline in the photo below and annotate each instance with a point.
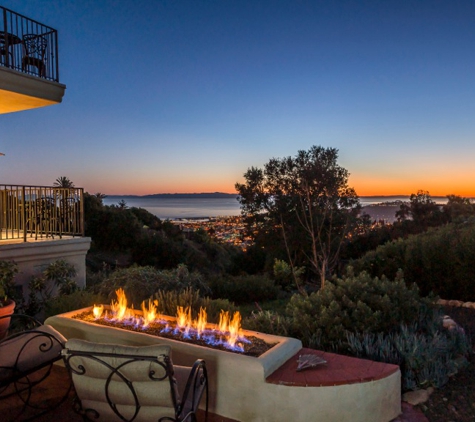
(202, 206)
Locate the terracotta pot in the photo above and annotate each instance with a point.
(6, 309)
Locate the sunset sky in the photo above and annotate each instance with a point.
(185, 96)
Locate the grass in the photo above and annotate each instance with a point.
(277, 305)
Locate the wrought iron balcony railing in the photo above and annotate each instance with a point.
(32, 212)
(28, 46)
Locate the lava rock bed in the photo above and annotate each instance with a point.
(255, 348)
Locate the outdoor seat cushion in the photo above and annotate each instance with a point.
(31, 349)
(155, 396)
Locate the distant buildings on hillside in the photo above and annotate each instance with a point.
(227, 230)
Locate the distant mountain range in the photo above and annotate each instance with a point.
(207, 195)
(180, 195)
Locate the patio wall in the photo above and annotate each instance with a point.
(238, 386)
(33, 257)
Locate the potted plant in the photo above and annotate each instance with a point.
(8, 269)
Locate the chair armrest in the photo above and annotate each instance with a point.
(25, 352)
(19, 323)
(196, 385)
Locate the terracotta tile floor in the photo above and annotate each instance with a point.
(338, 370)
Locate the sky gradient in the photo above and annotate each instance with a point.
(184, 96)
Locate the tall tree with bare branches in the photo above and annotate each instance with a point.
(305, 200)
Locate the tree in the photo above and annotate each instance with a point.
(421, 209)
(307, 202)
(458, 206)
(63, 182)
(122, 205)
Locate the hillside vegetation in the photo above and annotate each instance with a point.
(319, 269)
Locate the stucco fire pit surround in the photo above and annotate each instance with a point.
(267, 388)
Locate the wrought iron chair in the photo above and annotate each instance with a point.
(42, 218)
(7, 45)
(6, 56)
(68, 211)
(27, 354)
(34, 53)
(126, 383)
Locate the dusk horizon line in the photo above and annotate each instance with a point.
(237, 194)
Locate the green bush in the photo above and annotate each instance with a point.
(427, 353)
(77, 300)
(439, 260)
(112, 228)
(62, 273)
(156, 249)
(353, 303)
(244, 289)
(141, 283)
(286, 277)
(168, 301)
(269, 322)
(8, 270)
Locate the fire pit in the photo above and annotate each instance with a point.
(235, 366)
(237, 382)
(227, 335)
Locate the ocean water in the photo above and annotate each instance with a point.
(174, 208)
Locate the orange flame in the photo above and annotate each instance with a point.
(200, 323)
(223, 321)
(119, 308)
(149, 312)
(234, 329)
(229, 328)
(183, 317)
(97, 311)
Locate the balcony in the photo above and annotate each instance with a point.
(39, 225)
(31, 213)
(29, 64)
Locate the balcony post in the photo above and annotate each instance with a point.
(81, 211)
(23, 212)
(5, 29)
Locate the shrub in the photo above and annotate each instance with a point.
(147, 218)
(77, 300)
(286, 277)
(57, 277)
(168, 301)
(140, 283)
(439, 260)
(215, 306)
(62, 273)
(112, 228)
(384, 260)
(155, 249)
(353, 303)
(269, 322)
(8, 270)
(427, 353)
(244, 289)
(252, 261)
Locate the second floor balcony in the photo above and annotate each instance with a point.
(32, 213)
(29, 63)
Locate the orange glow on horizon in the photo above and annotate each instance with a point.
(366, 185)
(140, 189)
(388, 187)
